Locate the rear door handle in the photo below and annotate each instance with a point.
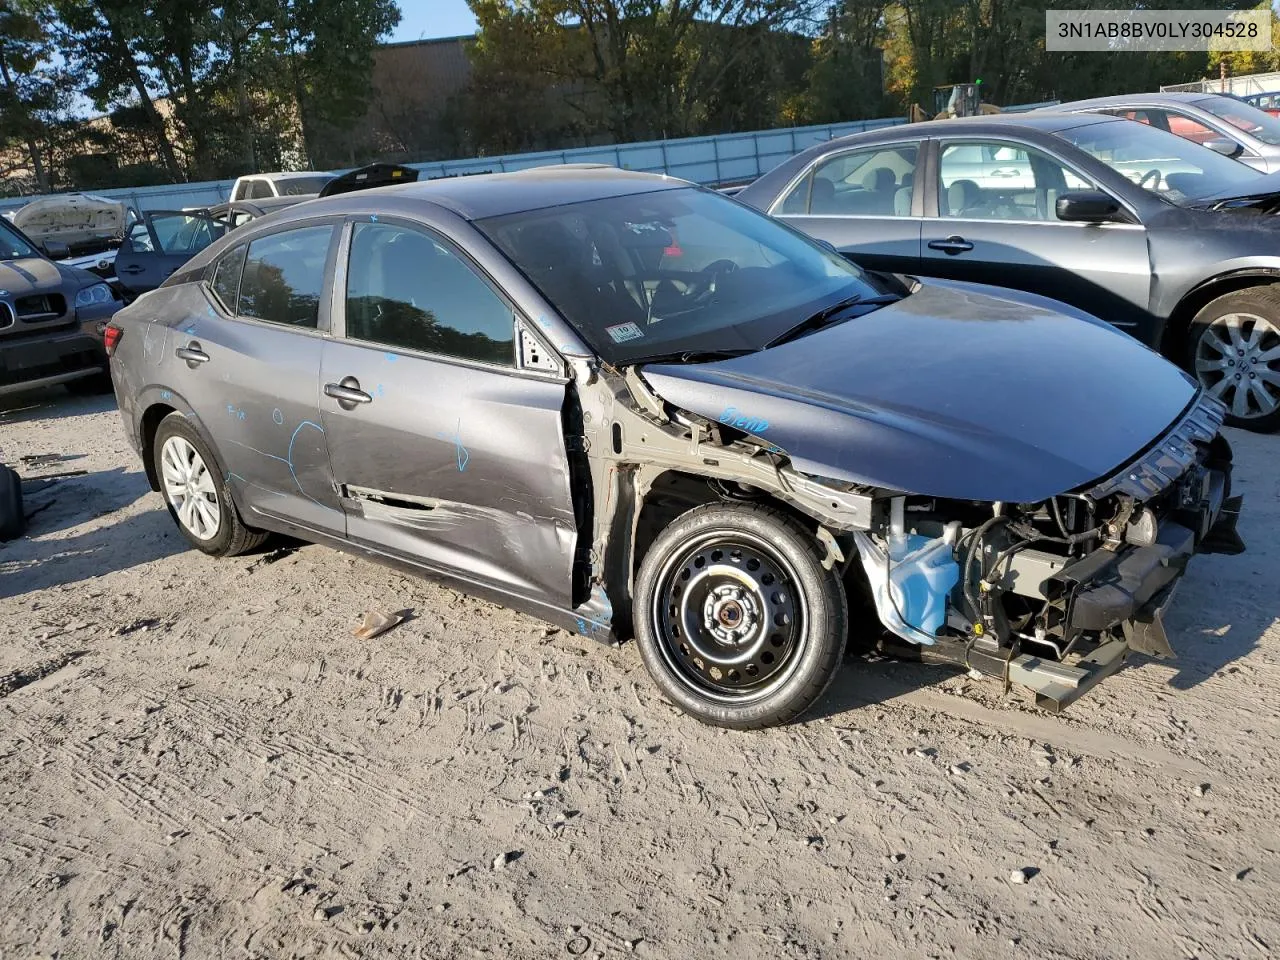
(951, 245)
(347, 393)
(192, 354)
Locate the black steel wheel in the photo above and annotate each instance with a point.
(736, 619)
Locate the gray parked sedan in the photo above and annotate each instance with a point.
(1170, 242)
(627, 404)
(1226, 124)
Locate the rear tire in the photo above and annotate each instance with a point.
(737, 621)
(13, 522)
(1233, 350)
(198, 497)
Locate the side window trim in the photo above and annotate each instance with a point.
(336, 304)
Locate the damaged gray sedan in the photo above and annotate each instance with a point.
(637, 408)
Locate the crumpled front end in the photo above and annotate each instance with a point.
(1053, 595)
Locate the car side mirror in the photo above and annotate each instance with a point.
(55, 249)
(1224, 146)
(1089, 206)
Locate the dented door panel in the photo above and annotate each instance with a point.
(454, 466)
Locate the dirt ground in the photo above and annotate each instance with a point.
(198, 759)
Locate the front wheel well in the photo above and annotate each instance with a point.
(147, 434)
(674, 493)
(1179, 325)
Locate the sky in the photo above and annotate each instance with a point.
(423, 19)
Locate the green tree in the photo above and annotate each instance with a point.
(639, 69)
(31, 91)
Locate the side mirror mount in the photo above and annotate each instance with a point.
(1225, 146)
(55, 249)
(1090, 206)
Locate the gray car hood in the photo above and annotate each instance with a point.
(950, 392)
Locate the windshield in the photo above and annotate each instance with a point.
(302, 186)
(673, 271)
(1161, 163)
(1243, 116)
(12, 246)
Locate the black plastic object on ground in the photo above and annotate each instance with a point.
(374, 175)
(12, 520)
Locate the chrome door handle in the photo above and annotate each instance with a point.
(347, 393)
(192, 354)
(951, 245)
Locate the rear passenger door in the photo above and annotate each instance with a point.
(162, 242)
(446, 451)
(865, 202)
(996, 223)
(253, 363)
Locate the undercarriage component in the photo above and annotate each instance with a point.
(1055, 685)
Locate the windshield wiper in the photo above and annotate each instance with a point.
(828, 314)
(692, 356)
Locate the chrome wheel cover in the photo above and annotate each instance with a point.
(730, 617)
(188, 486)
(1237, 360)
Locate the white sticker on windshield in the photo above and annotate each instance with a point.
(624, 332)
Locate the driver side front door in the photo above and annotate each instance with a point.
(445, 452)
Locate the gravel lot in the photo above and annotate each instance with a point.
(198, 759)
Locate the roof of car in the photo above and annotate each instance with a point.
(287, 175)
(988, 125)
(1125, 98)
(480, 196)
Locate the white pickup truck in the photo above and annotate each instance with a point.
(261, 186)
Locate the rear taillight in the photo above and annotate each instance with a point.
(111, 338)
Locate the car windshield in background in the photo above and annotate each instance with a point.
(687, 270)
(1244, 116)
(12, 246)
(1161, 163)
(301, 186)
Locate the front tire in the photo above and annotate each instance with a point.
(1234, 352)
(737, 621)
(198, 498)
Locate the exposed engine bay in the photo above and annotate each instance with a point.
(984, 584)
(1051, 595)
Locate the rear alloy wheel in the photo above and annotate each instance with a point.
(198, 500)
(736, 619)
(1235, 354)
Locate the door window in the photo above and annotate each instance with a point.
(284, 276)
(260, 190)
(185, 234)
(1001, 181)
(407, 289)
(226, 277)
(139, 238)
(873, 182)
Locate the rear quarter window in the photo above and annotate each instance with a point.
(226, 277)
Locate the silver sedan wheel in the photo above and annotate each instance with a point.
(189, 487)
(1238, 361)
